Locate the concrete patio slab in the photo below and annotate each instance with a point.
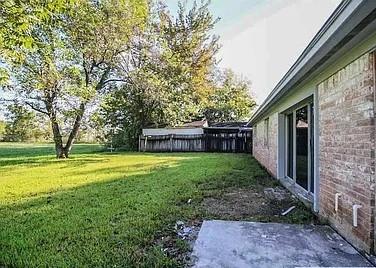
(252, 244)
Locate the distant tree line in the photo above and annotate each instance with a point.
(113, 66)
(25, 125)
(22, 125)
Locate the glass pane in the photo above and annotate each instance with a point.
(311, 127)
(302, 147)
(290, 145)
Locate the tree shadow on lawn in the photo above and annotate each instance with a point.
(38, 161)
(77, 159)
(116, 222)
(163, 164)
(15, 154)
(11, 150)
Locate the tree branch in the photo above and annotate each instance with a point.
(38, 109)
(103, 79)
(114, 80)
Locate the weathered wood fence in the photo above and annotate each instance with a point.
(208, 142)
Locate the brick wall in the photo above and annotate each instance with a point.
(347, 150)
(266, 154)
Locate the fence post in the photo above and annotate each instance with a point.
(146, 142)
(206, 137)
(203, 142)
(139, 143)
(171, 137)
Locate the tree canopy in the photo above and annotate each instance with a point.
(71, 57)
(119, 65)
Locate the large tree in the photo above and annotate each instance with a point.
(72, 59)
(166, 74)
(190, 49)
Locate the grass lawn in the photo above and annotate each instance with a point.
(101, 209)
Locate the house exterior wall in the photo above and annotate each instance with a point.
(347, 151)
(265, 145)
(345, 92)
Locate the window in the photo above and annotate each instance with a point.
(266, 132)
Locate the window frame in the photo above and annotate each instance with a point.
(292, 110)
(266, 132)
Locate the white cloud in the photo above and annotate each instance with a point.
(265, 43)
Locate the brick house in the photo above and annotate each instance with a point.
(316, 130)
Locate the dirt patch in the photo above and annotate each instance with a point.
(263, 204)
(237, 203)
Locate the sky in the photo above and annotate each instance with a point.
(261, 39)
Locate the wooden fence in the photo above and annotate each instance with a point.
(208, 142)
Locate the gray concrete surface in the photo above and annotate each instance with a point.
(250, 244)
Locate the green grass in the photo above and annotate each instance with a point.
(99, 209)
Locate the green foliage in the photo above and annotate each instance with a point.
(189, 56)
(20, 124)
(18, 20)
(166, 75)
(2, 129)
(75, 47)
(230, 99)
(23, 125)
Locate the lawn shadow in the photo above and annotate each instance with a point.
(14, 154)
(38, 161)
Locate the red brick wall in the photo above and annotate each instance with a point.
(347, 150)
(266, 154)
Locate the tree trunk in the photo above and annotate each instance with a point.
(75, 129)
(61, 150)
(58, 139)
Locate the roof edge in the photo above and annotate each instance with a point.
(317, 43)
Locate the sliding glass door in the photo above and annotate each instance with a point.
(301, 138)
(290, 146)
(299, 146)
(311, 148)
